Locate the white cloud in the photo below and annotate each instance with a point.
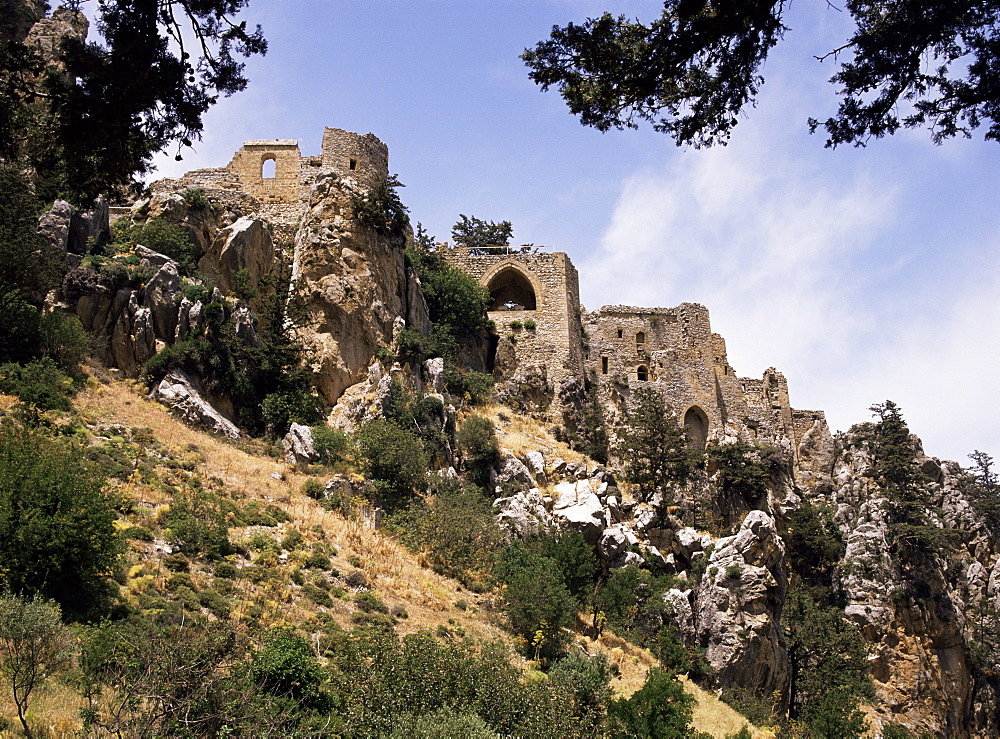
(808, 271)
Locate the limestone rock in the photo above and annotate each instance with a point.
(535, 462)
(739, 607)
(243, 245)
(354, 285)
(577, 507)
(178, 392)
(434, 375)
(523, 514)
(53, 226)
(514, 472)
(88, 228)
(158, 298)
(612, 543)
(298, 444)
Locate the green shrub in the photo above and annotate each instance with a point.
(477, 440)
(215, 602)
(313, 488)
(455, 527)
(166, 238)
(286, 667)
(226, 569)
(177, 562)
(473, 387)
(393, 459)
(139, 533)
(40, 384)
(195, 198)
(381, 208)
(317, 595)
(291, 540)
(660, 708)
(318, 561)
(197, 524)
(366, 601)
(331, 444)
(538, 605)
(57, 535)
(529, 323)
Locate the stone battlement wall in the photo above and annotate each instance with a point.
(363, 157)
(541, 287)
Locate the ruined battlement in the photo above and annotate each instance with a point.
(541, 328)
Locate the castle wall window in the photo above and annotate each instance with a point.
(696, 426)
(352, 165)
(640, 342)
(642, 374)
(619, 333)
(511, 290)
(268, 168)
(604, 365)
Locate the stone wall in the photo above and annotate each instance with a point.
(248, 163)
(363, 157)
(674, 351)
(538, 287)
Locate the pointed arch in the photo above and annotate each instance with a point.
(511, 289)
(696, 426)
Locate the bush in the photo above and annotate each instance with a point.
(57, 535)
(660, 708)
(313, 488)
(226, 570)
(197, 524)
(538, 605)
(40, 384)
(195, 198)
(457, 529)
(369, 603)
(166, 238)
(331, 444)
(654, 449)
(473, 387)
(477, 440)
(393, 459)
(286, 667)
(382, 209)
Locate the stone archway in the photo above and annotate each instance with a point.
(510, 289)
(696, 426)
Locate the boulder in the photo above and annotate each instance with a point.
(514, 472)
(244, 245)
(739, 607)
(158, 297)
(178, 392)
(535, 462)
(612, 543)
(53, 226)
(88, 228)
(523, 514)
(577, 507)
(298, 444)
(434, 375)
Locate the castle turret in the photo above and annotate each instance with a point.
(363, 157)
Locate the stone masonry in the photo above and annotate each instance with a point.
(540, 324)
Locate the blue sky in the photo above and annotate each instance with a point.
(862, 274)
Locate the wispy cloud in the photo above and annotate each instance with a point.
(803, 270)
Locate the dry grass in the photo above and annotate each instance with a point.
(714, 717)
(521, 434)
(397, 577)
(54, 711)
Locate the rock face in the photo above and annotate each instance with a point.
(243, 246)
(179, 392)
(353, 285)
(739, 607)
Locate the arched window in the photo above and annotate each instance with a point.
(696, 426)
(268, 167)
(511, 290)
(642, 374)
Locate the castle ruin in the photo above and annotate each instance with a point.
(541, 326)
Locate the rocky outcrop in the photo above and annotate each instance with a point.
(352, 286)
(298, 444)
(738, 607)
(179, 392)
(245, 246)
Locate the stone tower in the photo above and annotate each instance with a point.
(535, 306)
(361, 156)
